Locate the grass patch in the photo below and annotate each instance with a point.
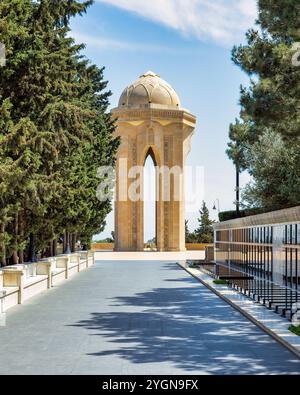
(295, 330)
(221, 282)
(194, 266)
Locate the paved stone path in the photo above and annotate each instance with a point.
(136, 318)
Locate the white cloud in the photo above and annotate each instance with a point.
(223, 21)
(112, 44)
(100, 42)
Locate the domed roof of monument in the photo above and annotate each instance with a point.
(149, 89)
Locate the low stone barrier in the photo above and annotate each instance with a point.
(19, 283)
(189, 246)
(197, 246)
(103, 246)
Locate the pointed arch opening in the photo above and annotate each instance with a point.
(150, 153)
(150, 201)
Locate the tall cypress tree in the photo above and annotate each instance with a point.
(58, 104)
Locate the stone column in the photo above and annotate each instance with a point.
(166, 134)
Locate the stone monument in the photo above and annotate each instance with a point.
(150, 121)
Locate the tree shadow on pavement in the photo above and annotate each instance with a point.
(188, 327)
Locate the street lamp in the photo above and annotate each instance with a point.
(218, 205)
(237, 202)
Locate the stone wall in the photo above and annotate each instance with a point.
(289, 215)
(19, 283)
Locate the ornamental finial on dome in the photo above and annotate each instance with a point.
(149, 90)
(149, 74)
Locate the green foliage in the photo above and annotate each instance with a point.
(295, 330)
(277, 160)
(221, 282)
(265, 140)
(194, 265)
(229, 215)
(109, 240)
(190, 237)
(204, 233)
(55, 130)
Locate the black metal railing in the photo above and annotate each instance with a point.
(257, 284)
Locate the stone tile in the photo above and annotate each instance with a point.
(136, 317)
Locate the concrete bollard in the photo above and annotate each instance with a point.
(45, 268)
(75, 258)
(91, 256)
(2, 293)
(2, 298)
(1, 279)
(30, 269)
(63, 262)
(84, 255)
(15, 278)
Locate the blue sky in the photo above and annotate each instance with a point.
(188, 43)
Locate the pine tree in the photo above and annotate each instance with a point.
(204, 232)
(271, 104)
(187, 232)
(277, 160)
(190, 237)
